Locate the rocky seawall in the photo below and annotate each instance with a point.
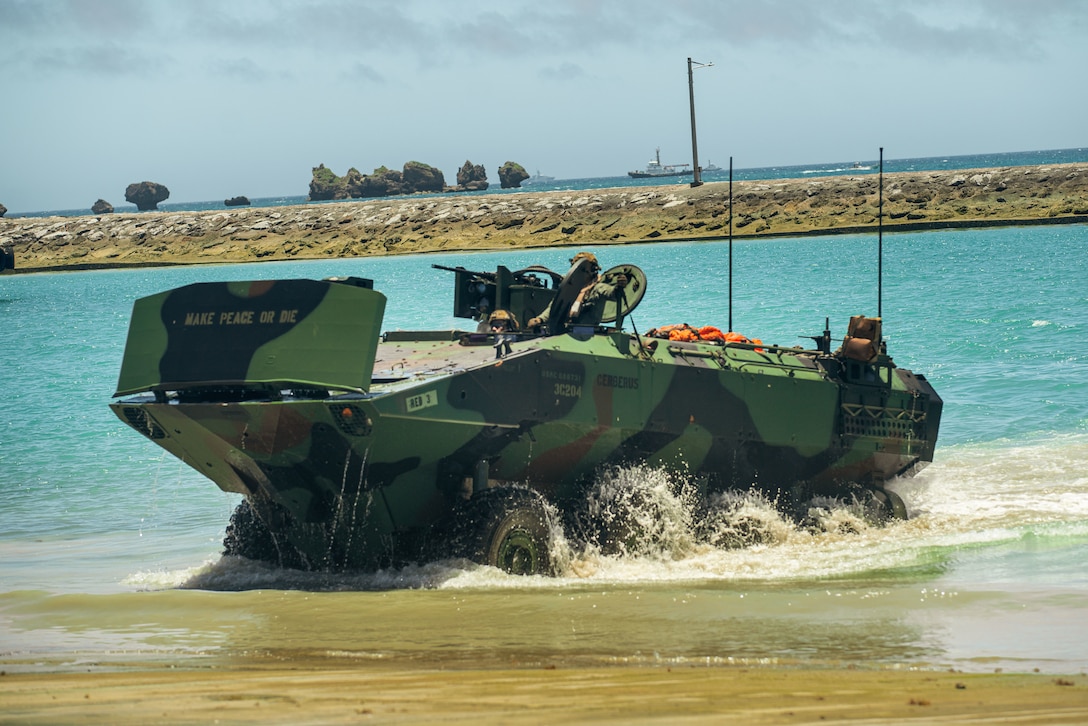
(824, 205)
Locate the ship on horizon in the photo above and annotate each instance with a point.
(538, 178)
(654, 168)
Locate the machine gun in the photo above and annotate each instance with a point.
(525, 293)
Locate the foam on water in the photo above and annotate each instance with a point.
(973, 498)
(967, 583)
(1001, 484)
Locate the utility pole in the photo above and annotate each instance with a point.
(697, 180)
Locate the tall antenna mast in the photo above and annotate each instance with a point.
(730, 244)
(880, 241)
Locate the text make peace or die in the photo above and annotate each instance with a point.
(241, 317)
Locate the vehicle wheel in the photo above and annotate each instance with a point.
(248, 536)
(511, 530)
(891, 504)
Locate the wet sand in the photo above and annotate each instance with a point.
(677, 212)
(548, 695)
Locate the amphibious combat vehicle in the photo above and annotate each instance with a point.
(357, 449)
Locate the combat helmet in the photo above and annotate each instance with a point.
(505, 316)
(586, 256)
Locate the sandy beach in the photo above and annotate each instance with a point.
(408, 225)
(541, 695)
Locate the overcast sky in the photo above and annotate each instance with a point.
(217, 99)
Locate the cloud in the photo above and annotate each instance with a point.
(363, 72)
(86, 38)
(562, 72)
(110, 37)
(245, 69)
(108, 59)
(329, 27)
(95, 20)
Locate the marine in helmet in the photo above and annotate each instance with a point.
(483, 314)
(504, 326)
(587, 307)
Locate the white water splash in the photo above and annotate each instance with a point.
(973, 496)
(643, 512)
(1001, 486)
(742, 519)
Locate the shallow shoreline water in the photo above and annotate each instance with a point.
(115, 601)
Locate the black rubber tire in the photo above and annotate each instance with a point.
(891, 504)
(249, 537)
(897, 505)
(510, 529)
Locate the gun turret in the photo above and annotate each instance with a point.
(525, 293)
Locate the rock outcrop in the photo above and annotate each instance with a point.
(3, 210)
(383, 182)
(420, 177)
(511, 175)
(471, 178)
(1055, 194)
(236, 202)
(102, 207)
(325, 185)
(146, 195)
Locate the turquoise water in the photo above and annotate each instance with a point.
(109, 549)
(838, 168)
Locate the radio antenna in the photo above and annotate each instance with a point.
(730, 244)
(880, 241)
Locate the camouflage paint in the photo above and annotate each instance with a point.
(359, 451)
(243, 333)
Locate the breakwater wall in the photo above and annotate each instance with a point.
(415, 224)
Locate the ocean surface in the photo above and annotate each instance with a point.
(840, 168)
(110, 549)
